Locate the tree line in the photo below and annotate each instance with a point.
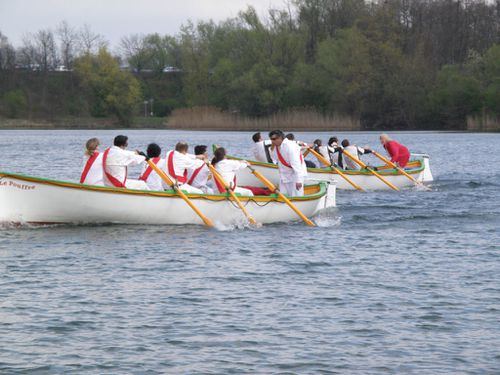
(401, 64)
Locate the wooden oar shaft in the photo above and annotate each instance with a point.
(363, 165)
(273, 188)
(221, 180)
(400, 170)
(179, 192)
(322, 159)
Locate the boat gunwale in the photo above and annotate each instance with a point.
(167, 193)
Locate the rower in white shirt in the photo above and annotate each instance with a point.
(115, 163)
(148, 175)
(261, 149)
(356, 152)
(291, 164)
(92, 164)
(179, 162)
(199, 177)
(333, 150)
(227, 169)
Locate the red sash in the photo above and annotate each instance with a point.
(111, 178)
(88, 165)
(195, 173)
(221, 188)
(283, 161)
(171, 170)
(147, 172)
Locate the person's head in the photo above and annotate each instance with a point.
(200, 150)
(318, 142)
(153, 150)
(257, 137)
(290, 136)
(121, 141)
(384, 138)
(333, 140)
(219, 154)
(345, 143)
(91, 146)
(181, 147)
(276, 137)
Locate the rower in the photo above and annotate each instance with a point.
(148, 175)
(399, 153)
(198, 177)
(261, 149)
(92, 164)
(291, 164)
(115, 163)
(333, 149)
(302, 145)
(356, 152)
(320, 149)
(227, 169)
(178, 164)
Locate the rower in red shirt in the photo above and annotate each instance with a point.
(399, 154)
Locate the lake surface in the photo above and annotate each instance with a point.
(391, 283)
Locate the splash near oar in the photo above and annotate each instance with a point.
(179, 192)
(273, 188)
(322, 159)
(363, 165)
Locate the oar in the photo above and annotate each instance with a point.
(363, 165)
(322, 159)
(274, 189)
(177, 189)
(221, 180)
(400, 170)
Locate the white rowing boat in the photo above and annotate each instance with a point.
(418, 168)
(34, 200)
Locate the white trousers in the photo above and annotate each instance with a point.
(190, 189)
(290, 189)
(243, 191)
(136, 184)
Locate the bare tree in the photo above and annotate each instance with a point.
(90, 42)
(7, 53)
(68, 39)
(135, 50)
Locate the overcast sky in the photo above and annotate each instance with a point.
(117, 18)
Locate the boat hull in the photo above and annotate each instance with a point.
(418, 169)
(25, 199)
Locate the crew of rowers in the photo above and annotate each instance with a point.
(191, 173)
(335, 153)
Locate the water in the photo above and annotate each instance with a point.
(390, 283)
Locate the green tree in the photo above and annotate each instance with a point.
(109, 90)
(491, 63)
(15, 103)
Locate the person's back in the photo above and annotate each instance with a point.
(355, 152)
(148, 175)
(198, 177)
(227, 169)
(116, 161)
(399, 153)
(92, 173)
(261, 149)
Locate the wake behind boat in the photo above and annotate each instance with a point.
(35, 200)
(418, 168)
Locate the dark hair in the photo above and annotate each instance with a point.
(290, 136)
(345, 143)
(279, 133)
(317, 144)
(256, 137)
(120, 140)
(333, 139)
(153, 150)
(181, 146)
(200, 149)
(219, 155)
